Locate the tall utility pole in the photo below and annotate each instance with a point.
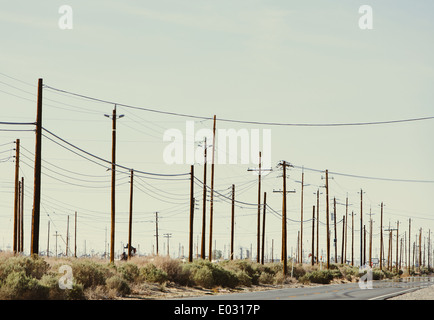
(16, 198)
(317, 226)
(381, 238)
(429, 248)
(130, 222)
(34, 246)
(409, 243)
(263, 229)
(313, 235)
(346, 230)
(75, 236)
(335, 241)
(190, 245)
(67, 235)
(327, 219)
(284, 254)
(22, 216)
(212, 191)
(156, 232)
(259, 212)
(48, 239)
(202, 248)
(397, 241)
(168, 236)
(370, 237)
(420, 249)
(361, 226)
(113, 184)
(259, 170)
(19, 218)
(343, 240)
(258, 224)
(301, 218)
(232, 222)
(352, 238)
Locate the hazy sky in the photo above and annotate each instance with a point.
(268, 61)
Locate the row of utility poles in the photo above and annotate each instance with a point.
(19, 192)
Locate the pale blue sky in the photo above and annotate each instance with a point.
(276, 61)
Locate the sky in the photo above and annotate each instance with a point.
(293, 62)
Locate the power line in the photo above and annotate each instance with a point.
(366, 177)
(243, 121)
(109, 162)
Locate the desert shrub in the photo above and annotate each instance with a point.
(297, 270)
(206, 274)
(243, 278)
(18, 285)
(245, 270)
(90, 273)
(151, 273)
(173, 268)
(51, 281)
(320, 276)
(266, 278)
(129, 272)
(203, 277)
(34, 267)
(119, 285)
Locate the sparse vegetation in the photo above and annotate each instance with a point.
(35, 277)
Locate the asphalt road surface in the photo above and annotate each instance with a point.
(379, 290)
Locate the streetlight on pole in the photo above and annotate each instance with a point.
(113, 186)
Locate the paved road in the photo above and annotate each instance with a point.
(350, 291)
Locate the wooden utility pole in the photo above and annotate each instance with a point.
(313, 235)
(364, 244)
(409, 244)
(420, 249)
(48, 239)
(16, 198)
(301, 218)
(343, 239)
(56, 242)
(346, 229)
(352, 238)
(397, 244)
(284, 254)
(259, 213)
(429, 248)
(67, 235)
(19, 218)
(232, 222)
(335, 241)
(75, 235)
(317, 226)
(381, 238)
(212, 191)
(370, 237)
(168, 236)
(361, 226)
(156, 232)
(202, 248)
(190, 246)
(113, 184)
(22, 216)
(34, 246)
(327, 219)
(130, 221)
(263, 229)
